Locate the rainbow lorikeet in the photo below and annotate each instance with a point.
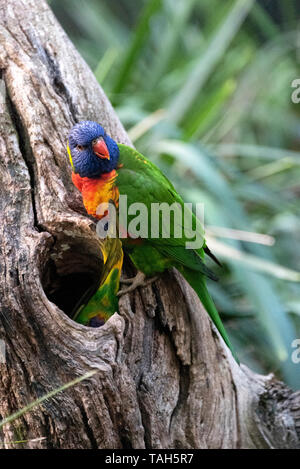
(104, 170)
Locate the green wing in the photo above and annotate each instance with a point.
(141, 181)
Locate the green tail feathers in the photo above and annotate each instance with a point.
(198, 283)
(104, 302)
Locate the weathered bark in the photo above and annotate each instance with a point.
(165, 378)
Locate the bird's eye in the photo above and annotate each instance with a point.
(97, 140)
(80, 147)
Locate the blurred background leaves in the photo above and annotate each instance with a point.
(204, 90)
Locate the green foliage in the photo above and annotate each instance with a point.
(204, 89)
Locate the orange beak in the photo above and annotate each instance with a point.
(100, 149)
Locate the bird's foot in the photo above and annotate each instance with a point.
(139, 280)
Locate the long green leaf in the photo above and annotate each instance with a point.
(40, 400)
(137, 42)
(206, 63)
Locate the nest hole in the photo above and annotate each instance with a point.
(72, 274)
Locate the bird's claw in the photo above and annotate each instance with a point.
(139, 280)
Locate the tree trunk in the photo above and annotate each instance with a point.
(165, 378)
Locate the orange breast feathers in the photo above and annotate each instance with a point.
(96, 191)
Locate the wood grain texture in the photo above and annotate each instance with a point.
(165, 378)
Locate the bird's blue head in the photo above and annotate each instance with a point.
(92, 151)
